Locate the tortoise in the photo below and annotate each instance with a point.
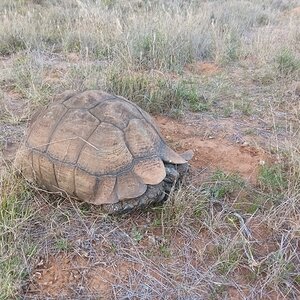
(102, 149)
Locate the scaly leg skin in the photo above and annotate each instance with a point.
(155, 194)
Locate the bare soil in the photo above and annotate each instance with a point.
(151, 258)
(218, 144)
(215, 147)
(111, 274)
(71, 273)
(203, 68)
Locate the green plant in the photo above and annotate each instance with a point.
(225, 184)
(14, 245)
(62, 244)
(11, 44)
(28, 80)
(287, 62)
(136, 234)
(228, 111)
(245, 106)
(228, 264)
(154, 93)
(165, 250)
(232, 45)
(272, 177)
(108, 3)
(217, 291)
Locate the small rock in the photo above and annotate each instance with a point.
(37, 275)
(297, 89)
(262, 162)
(152, 239)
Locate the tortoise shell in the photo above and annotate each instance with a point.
(97, 147)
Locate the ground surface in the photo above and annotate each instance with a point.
(137, 256)
(221, 78)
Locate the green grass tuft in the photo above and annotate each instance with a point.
(14, 248)
(155, 93)
(225, 184)
(287, 62)
(272, 178)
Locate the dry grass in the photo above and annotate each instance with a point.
(15, 247)
(222, 238)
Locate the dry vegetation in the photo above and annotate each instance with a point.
(220, 236)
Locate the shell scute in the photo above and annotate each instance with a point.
(150, 170)
(84, 185)
(129, 186)
(42, 128)
(87, 99)
(116, 112)
(65, 177)
(105, 152)
(106, 190)
(141, 138)
(71, 134)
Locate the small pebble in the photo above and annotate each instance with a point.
(262, 162)
(297, 90)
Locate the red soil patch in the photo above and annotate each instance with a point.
(73, 57)
(212, 153)
(102, 278)
(290, 15)
(295, 12)
(56, 276)
(61, 275)
(54, 75)
(263, 236)
(202, 68)
(13, 106)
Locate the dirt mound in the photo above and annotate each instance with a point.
(213, 152)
